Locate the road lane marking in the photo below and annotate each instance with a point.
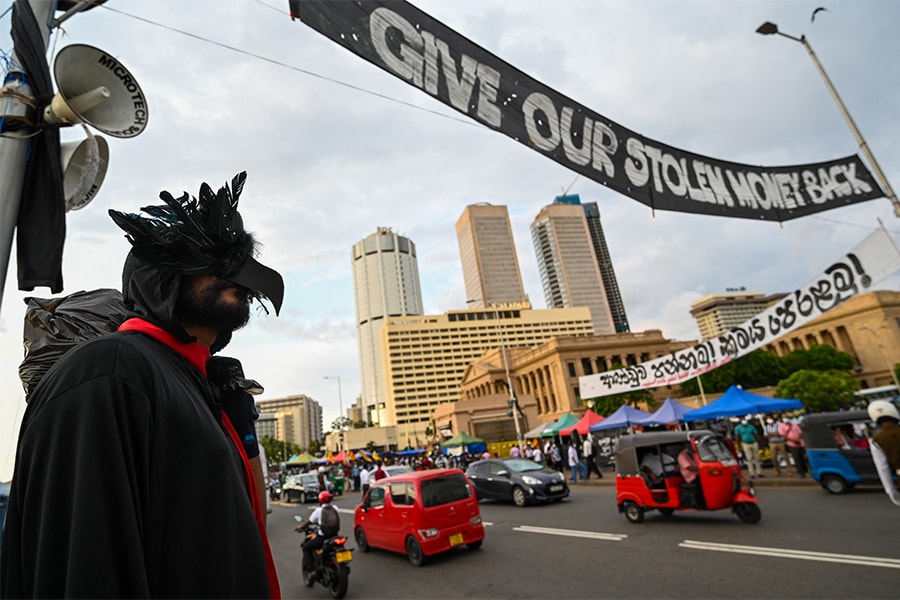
(610, 537)
(850, 559)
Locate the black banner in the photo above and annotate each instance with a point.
(425, 53)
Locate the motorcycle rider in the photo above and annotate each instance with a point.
(328, 523)
(885, 445)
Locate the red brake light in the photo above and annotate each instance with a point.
(340, 540)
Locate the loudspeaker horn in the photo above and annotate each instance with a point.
(94, 88)
(84, 166)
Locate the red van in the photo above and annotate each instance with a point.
(420, 514)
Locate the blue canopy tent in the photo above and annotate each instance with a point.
(737, 402)
(670, 412)
(624, 416)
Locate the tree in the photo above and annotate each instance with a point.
(341, 423)
(754, 370)
(819, 390)
(278, 451)
(819, 357)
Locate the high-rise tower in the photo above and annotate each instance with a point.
(386, 284)
(488, 254)
(604, 261)
(568, 266)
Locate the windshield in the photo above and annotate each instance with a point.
(444, 490)
(310, 480)
(711, 448)
(521, 465)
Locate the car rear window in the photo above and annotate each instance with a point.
(444, 490)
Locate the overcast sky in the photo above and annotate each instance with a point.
(335, 147)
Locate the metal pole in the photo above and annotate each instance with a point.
(512, 393)
(341, 409)
(13, 150)
(770, 28)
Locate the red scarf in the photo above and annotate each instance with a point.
(198, 356)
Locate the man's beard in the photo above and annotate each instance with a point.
(207, 308)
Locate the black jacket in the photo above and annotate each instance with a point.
(126, 485)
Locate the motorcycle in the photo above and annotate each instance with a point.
(275, 490)
(331, 563)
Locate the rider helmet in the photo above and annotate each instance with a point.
(881, 409)
(321, 469)
(324, 497)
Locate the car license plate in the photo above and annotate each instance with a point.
(556, 488)
(343, 556)
(456, 539)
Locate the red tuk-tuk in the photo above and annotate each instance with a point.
(718, 485)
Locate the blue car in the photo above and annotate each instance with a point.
(837, 449)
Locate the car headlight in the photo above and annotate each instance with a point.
(531, 480)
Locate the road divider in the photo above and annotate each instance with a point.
(849, 559)
(596, 535)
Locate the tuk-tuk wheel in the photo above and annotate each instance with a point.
(835, 484)
(633, 512)
(748, 512)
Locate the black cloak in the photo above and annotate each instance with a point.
(126, 483)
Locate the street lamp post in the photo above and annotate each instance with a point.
(884, 355)
(340, 407)
(769, 28)
(513, 402)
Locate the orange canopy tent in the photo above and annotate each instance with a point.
(583, 425)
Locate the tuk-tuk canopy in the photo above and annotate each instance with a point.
(627, 446)
(737, 402)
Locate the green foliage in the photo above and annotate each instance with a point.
(761, 369)
(820, 357)
(278, 451)
(370, 446)
(819, 390)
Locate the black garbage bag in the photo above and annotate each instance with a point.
(53, 326)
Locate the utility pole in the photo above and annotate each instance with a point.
(16, 99)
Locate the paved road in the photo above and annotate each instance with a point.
(809, 544)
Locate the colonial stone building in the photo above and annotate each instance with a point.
(867, 327)
(545, 380)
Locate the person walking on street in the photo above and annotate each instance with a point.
(130, 481)
(588, 452)
(364, 480)
(556, 457)
(777, 449)
(794, 439)
(747, 433)
(574, 462)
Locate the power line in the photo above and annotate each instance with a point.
(289, 66)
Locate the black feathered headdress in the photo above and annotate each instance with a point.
(205, 235)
